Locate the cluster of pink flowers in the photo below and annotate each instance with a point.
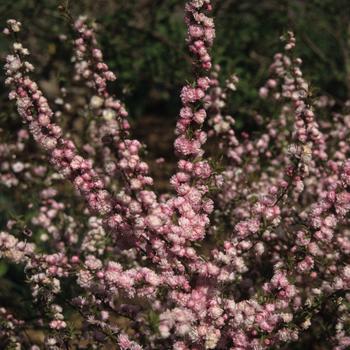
(250, 253)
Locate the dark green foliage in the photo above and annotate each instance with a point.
(143, 42)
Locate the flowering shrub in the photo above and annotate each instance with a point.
(249, 250)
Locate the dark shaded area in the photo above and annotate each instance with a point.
(143, 41)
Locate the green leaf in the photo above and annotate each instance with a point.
(3, 268)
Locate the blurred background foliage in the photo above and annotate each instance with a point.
(143, 42)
